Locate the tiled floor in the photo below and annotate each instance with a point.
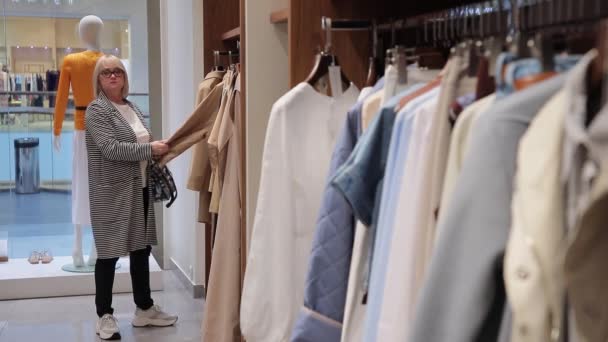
(72, 319)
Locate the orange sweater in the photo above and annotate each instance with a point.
(77, 70)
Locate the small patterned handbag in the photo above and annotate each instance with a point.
(163, 186)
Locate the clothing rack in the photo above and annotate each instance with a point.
(217, 54)
(480, 20)
(432, 23)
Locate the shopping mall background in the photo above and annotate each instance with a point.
(162, 43)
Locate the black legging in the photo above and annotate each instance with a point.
(140, 277)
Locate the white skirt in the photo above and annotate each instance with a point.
(81, 213)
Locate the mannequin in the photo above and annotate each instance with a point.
(77, 72)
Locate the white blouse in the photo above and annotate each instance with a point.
(140, 130)
(302, 131)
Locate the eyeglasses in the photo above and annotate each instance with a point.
(107, 73)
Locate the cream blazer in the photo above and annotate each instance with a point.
(543, 261)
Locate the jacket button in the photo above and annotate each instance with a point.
(522, 273)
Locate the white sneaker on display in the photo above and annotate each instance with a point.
(107, 328)
(154, 317)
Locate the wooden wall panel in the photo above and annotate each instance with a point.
(243, 51)
(306, 38)
(219, 17)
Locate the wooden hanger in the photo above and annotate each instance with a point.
(321, 69)
(541, 48)
(525, 82)
(597, 75)
(372, 71)
(325, 59)
(372, 74)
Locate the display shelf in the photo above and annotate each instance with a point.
(233, 34)
(20, 280)
(280, 16)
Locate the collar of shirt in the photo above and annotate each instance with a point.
(578, 140)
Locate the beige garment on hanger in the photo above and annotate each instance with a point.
(200, 167)
(459, 143)
(222, 310)
(371, 106)
(218, 160)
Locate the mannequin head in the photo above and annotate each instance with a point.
(90, 31)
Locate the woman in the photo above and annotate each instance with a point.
(122, 214)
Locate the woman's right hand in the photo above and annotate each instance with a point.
(159, 148)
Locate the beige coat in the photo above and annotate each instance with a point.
(217, 146)
(221, 318)
(197, 129)
(200, 174)
(544, 261)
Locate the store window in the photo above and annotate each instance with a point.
(36, 179)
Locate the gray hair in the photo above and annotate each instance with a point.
(105, 62)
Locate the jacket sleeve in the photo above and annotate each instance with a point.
(63, 92)
(267, 308)
(103, 136)
(196, 127)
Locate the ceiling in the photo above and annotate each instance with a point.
(106, 9)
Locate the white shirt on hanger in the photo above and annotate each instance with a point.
(302, 131)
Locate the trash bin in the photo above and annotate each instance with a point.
(27, 166)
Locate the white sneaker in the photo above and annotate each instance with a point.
(107, 328)
(154, 316)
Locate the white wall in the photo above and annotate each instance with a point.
(267, 80)
(181, 72)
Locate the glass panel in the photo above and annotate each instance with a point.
(35, 37)
(7, 217)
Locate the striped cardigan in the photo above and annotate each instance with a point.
(115, 184)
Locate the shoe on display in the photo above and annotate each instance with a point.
(154, 317)
(107, 328)
(46, 257)
(34, 258)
